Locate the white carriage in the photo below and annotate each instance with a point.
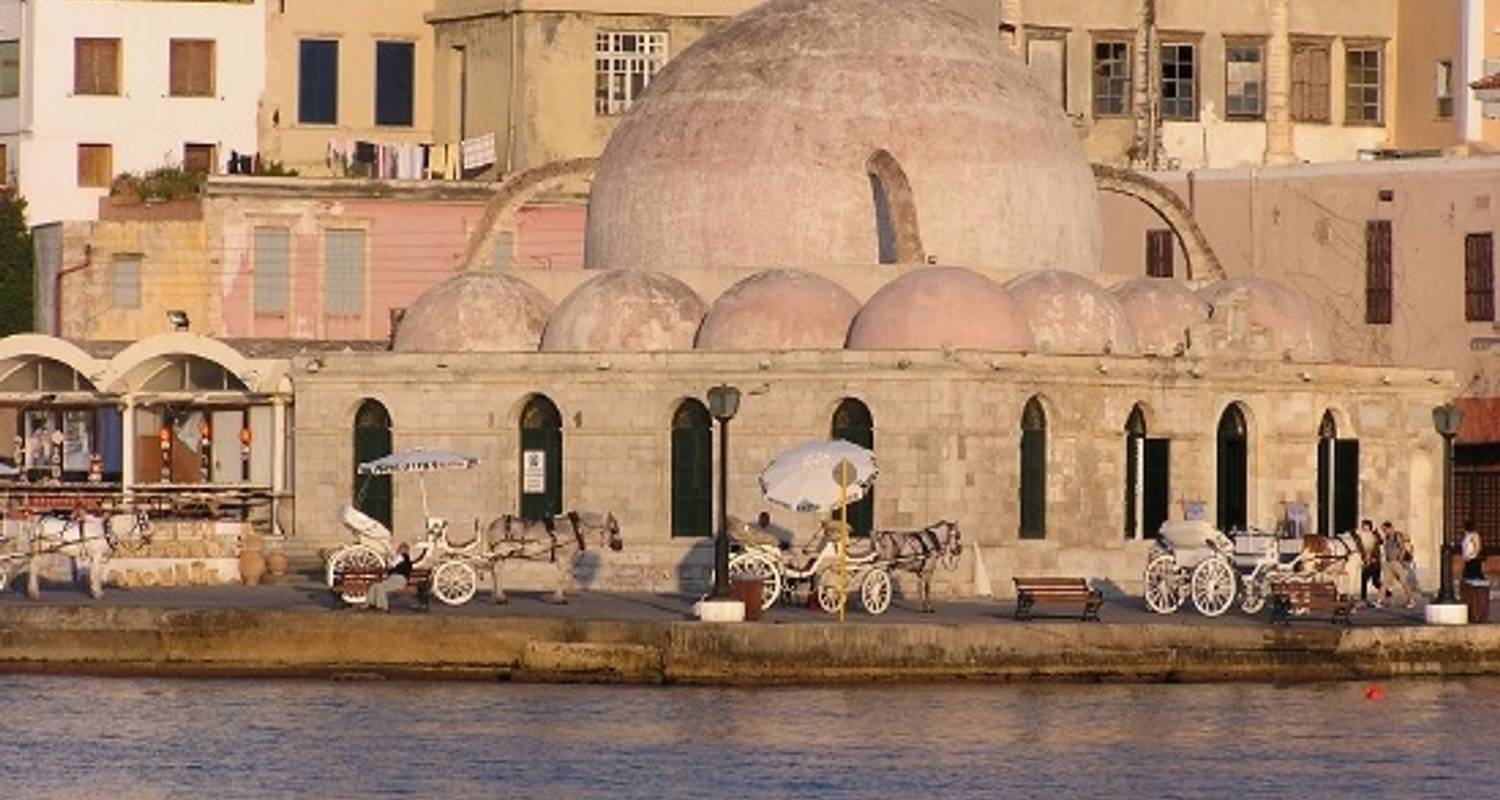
(1192, 559)
(793, 572)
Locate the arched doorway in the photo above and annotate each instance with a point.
(372, 440)
(1033, 471)
(692, 470)
(1147, 479)
(1233, 470)
(853, 423)
(1338, 479)
(541, 459)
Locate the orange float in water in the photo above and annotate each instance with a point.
(1374, 692)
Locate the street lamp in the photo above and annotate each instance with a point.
(723, 402)
(1447, 418)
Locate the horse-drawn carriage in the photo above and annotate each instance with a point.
(1193, 560)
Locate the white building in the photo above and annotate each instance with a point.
(90, 89)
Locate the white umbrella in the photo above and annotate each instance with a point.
(805, 478)
(7, 471)
(419, 460)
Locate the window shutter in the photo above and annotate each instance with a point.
(272, 269)
(1160, 250)
(1379, 285)
(1479, 277)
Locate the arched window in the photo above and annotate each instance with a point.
(541, 459)
(1147, 479)
(853, 423)
(1338, 479)
(1233, 470)
(1033, 471)
(692, 470)
(372, 440)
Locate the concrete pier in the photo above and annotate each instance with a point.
(296, 643)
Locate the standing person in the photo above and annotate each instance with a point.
(378, 595)
(1368, 542)
(1472, 549)
(1397, 565)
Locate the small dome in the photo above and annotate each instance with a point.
(781, 309)
(1068, 313)
(625, 311)
(1161, 311)
(941, 308)
(756, 146)
(475, 313)
(1293, 325)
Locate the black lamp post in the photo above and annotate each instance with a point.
(723, 402)
(1447, 418)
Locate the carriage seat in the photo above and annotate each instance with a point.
(363, 524)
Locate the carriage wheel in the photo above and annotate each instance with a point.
(4, 576)
(1257, 586)
(750, 566)
(1163, 595)
(828, 592)
(455, 582)
(875, 591)
(353, 557)
(1213, 586)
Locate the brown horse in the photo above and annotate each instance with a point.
(920, 552)
(560, 540)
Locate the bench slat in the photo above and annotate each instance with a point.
(1031, 591)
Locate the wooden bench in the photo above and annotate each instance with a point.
(1302, 598)
(1033, 591)
(359, 581)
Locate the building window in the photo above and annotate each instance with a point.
(853, 423)
(1147, 479)
(1179, 82)
(394, 82)
(1379, 283)
(1244, 80)
(4, 165)
(1111, 79)
(200, 159)
(192, 67)
(10, 68)
(272, 267)
(318, 82)
(95, 165)
(1362, 86)
(1445, 89)
(1233, 470)
(125, 280)
(344, 272)
(1033, 471)
(1310, 69)
(541, 459)
(1047, 53)
(1161, 246)
(1338, 479)
(372, 440)
(692, 470)
(96, 66)
(1491, 108)
(624, 64)
(1479, 277)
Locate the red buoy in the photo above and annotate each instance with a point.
(1375, 693)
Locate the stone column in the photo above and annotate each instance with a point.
(1012, 13)
(1279, 149)
(127, 443)
(278, 459)
(1144, 103)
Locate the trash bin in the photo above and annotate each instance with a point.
(1476, 595)
(749, 593)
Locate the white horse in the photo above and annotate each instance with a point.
(920, 552)
(560, 540)
(87, 540)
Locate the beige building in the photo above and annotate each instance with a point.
(341, 73)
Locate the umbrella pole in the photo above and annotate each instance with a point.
(843, 537)
(422, 479)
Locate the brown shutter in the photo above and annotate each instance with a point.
(1479, 277)
(1379, 283)
(94, 165)
(96, 66)
(192, 68)
(1322, 65)
(1299, 83)
(1160, 248)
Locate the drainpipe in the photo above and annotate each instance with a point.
(57, 304)
(1279, 149)
(1145, 102)
(1011, 14)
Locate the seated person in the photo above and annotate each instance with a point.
(378, 595)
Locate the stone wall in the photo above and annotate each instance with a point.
(947, 431)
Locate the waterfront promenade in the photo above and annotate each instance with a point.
(295, 628)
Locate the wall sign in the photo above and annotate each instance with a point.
(533, 472)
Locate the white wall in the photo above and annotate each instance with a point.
(11, 15)
(145, 126)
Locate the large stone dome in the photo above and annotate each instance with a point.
(1161, 311)
(754, 148)
(781, 309)
(1069, 313)
(625, 311)
(941, 307)
(1291, 325)
(475, 313)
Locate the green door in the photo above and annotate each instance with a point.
(1158, 489)
(1033, 471)
(692, 470)
(1233, 471)
(1345, 485)
(541, 459)
(853, 423)
(372, 440)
